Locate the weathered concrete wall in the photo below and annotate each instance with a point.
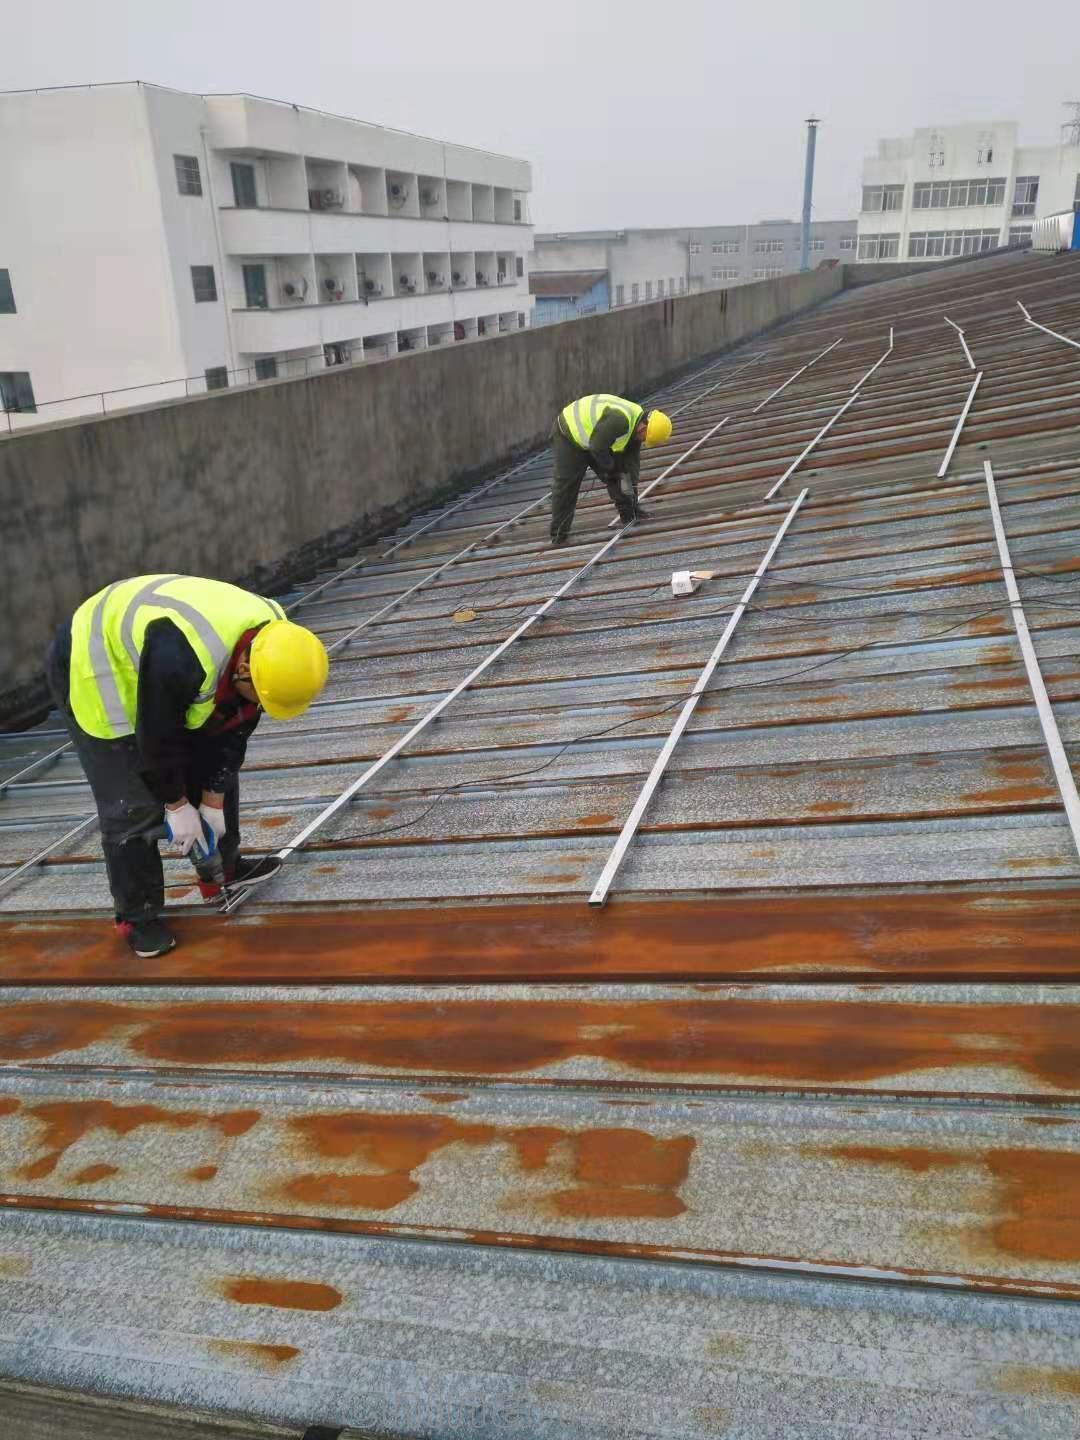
(234, 482)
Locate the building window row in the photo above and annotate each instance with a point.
(948, 194)
(879, 247)
(847, 242)
(1020, 236)
(816, 244)
(769, 272)
(934, 243)
(882, 197)
(725, 272)
(768, 247)
(727, 247)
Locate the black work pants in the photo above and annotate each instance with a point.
(132, 819)
(571, 466)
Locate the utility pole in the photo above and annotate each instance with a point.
(1070, 131)
(808, 192)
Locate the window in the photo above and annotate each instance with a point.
(768, 247)
(770, 272)
(937, 195)
(986, 155)
(517, 211)
(660, 289)
(266, 368)
(817, 244)
(648, 289)
(243, 185)
(847, 242)
(519, 267)
(726, 247)
(1025, 194)
(7, 295)
(188, 179)
(941, 244)
(634, 289)
(1020, 236)
(725, 272)
(620, 291)
(217, 378)
(16, 392)
(255, 295)
(879, 247)
(695, 247)
(883, 197)
(203, 282)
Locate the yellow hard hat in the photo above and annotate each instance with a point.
(288, 668)
(657, 428)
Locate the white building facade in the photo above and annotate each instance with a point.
(960, 189)
(155, 243)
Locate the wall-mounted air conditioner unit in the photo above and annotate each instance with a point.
(435, 278)
(332, 199)
(373, 287)
(458, 278)
(481, 278)
(398, 193)
(429, 197)
(295, 290)
(404, 283)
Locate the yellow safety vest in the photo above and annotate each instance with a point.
(107, 633)
(581, 418)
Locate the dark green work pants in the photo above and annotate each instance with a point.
(571, 465)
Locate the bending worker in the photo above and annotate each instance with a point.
(160, 681)
(606, 432)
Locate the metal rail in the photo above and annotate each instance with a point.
(1058, 758)
(42, 855)
(959, 426)
(1056, 334)
(633, 820)
(809, 364)
(820, 435)
(50, 759)
(963, 342)
(430, 716)
(860, 383)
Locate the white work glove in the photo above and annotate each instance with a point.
(214, 815)
(184, 825)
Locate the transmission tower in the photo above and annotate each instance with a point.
(1070, 131)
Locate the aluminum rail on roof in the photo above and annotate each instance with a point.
(860, 383)
(234, 902)
(37, 764)
(959, 426)
(963, 342)
(804, 453)
(633, 820)
(798, 372)
(1051, 734)
(1055, 333)
(36, 860)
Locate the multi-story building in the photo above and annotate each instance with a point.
(156, 243)
(959, 189)
(651, 264)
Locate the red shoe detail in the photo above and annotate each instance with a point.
(124, 928)
(208, 890)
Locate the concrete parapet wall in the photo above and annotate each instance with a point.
(237, 483)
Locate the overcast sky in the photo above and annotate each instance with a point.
(677, 112)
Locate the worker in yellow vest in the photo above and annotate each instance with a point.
(160, 681)
(606, 433)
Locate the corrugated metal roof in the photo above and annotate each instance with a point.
(785, 1139)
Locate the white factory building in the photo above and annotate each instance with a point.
(960, 189)
(156, 244)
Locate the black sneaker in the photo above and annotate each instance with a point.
(558, 541)
(148, 938)
(246, 873)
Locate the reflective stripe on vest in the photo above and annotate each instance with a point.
(107, 634)
(582, 417)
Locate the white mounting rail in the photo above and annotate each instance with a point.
(633, 820)
(1058, 758)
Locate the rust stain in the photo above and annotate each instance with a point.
(202, 1172)
(281, 1294)
(398, 714)
(615, 1173)
(1005, 682)
(1035, 862)
(14, 1266)
(557, 878)
(911, 934)
(1043, 1189)
(985, 625)
(275, 822)
(727, 1347)
(93, 1173)
(830, 807)
(443, 1097)
(602, 817)
(8, 1107)
(1045, 1120)
(910, 1158)
(263, 1356)
(65, 1123)
(1038, 1380)
(326, 869)
(382, 812)
(1010, 795)
(798, 1039)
